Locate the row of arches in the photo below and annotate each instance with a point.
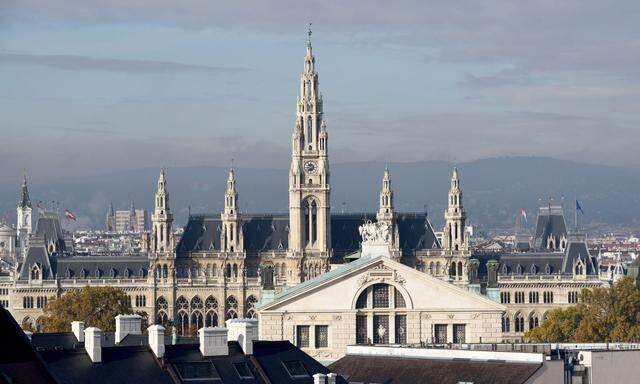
(229, 270)
(519, 321)
(190, 315)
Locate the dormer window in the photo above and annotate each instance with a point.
(35, 272)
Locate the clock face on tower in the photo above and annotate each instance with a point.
(310, 167)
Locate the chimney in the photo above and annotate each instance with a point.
(244, 331)
(156, 339)
(213, 341)
(93, 343)
(319, 378)
(127, 324)
(331, 378)
(77, 327)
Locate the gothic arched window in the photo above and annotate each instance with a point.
(311, 221)
(231, 308)
(251, 307)
(519, 322)
(211, 314)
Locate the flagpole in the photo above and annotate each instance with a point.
(575, 212)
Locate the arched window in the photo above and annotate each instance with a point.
(506, 327)
(311, 221)
(211, 314)
(196, 321)
(533, 320)
(228, 270)
(519, 322)
(459, 268)
(438, 268)
(361, 303)
(231, 308)
(251, 307)
(235, 271)
(431, 268)
(196, 303)
(399, 299)
(162, 308)
(35, 272)
(452, 269)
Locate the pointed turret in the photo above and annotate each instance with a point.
(133, 221)
(25, 202)
(386, 211)
(24, 210)
(111, 218)
(231, 238)
(454, 237)
(162, 219)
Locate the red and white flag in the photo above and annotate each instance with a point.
(523, 213)
(69, 215)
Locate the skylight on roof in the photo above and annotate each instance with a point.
(295, 368)
(197, 371)
(243, 370)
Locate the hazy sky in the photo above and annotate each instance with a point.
(93, 86)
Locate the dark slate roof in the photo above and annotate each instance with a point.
(224, 365)
(106, 266)
(549, 262)
(18, 361)
(577, 249)
(387, 369)
(550, 222)
(132, 360)
(49, 226)
(271, 356)
(271, 232)
(345, 236)
(265, 233)
(531, 263)
(36, 255)
(416, 232)
(119, 365)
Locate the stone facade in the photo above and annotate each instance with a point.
(377, 300)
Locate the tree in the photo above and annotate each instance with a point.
(96, 306)
(603, 315)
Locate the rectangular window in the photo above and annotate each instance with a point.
(322, 336)
(302, 336)
(197, 371)
(440, 333)
(401, 329)
(381, 329)
(519, 297)
(458, 333)
(505, 297)
(295, 368)
(361, 329)
(243, 370)
(534, 297)
(380, 296)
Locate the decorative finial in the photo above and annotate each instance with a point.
(309, 33)
(232, 160)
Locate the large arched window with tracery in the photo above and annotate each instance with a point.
(386, 305)
(250, 306)
(182, 315)
(162, 308)
(231, 308)
(211, 315)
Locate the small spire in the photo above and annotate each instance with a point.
(309, 33)
(24, 195)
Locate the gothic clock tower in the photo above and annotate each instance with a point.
(309, 205)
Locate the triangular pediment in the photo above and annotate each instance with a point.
(338, 290)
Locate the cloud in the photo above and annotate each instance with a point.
(86, 63)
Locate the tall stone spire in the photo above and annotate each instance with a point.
(162, 219)
(309, 190)
(231, 238)
(24, 210)
(454, 237)
(24, 193)
(111, 218)
(386, 211)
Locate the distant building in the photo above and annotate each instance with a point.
(131, 220)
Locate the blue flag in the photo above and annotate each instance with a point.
(578, 207)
